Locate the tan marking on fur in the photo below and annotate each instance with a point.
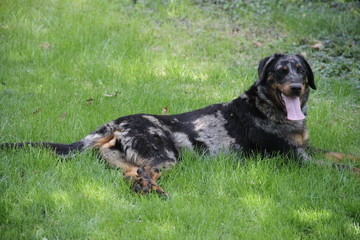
(146, 180)
(284, 89)
(305, 85)
(105, 142)
(274, 95)
(301, 139)
(339, 157)
(154, 177)
(130, 172)
(113, 157)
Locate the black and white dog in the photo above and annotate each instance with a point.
(268, 118)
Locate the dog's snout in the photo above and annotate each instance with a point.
(296, 87)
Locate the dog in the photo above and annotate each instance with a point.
(269, 118)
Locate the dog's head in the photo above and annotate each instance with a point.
(285, 79)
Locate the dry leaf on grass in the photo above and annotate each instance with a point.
(63, 116)
(165, 111)
(89, 101)
(155, 49)
(304, 54)
(317, 46)
(258, 44)
(114, 94)
(36, 111)
(46, 46)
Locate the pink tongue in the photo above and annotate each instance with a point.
(293, 108)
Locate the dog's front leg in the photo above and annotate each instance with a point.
(305, 158)
(302, 156)
(335, 157)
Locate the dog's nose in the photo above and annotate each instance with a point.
(295, 87)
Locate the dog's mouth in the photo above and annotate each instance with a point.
(292, 105)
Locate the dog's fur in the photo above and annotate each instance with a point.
(256, 122)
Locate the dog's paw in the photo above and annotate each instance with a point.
(146, 181)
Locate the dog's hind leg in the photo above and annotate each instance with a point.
(141, 174)
(145, 180)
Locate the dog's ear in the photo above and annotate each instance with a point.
(264, 66)
(309, 72)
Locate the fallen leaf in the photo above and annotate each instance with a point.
(303, 41)
(4, 26)
(36, 111)
(303, 54)
(155, 49)
(46, 46)
(317, 45)
(235, 30)
(165, 111)
(258, 44)
(114, 94)
(63, 116)
(22, 174)
(89, 101)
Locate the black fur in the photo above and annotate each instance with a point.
(59, 148)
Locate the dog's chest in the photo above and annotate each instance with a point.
(294, 134)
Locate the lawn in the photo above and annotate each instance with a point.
(68, 66)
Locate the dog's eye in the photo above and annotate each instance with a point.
(300, 70)
(284, 70)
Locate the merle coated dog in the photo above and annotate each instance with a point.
(268, 118)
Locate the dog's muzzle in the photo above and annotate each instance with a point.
(295, 89)
(292, 103)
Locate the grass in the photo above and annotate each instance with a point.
(69, 66)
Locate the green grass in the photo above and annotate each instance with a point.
(69, 66)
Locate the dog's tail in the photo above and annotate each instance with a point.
(93, 140)
(59, 148)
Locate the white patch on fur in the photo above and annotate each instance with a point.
(153, 131)
(170, 154)
(244, 96)
(153, 119)
(90, 140)
(212, 132)
(182, 141)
